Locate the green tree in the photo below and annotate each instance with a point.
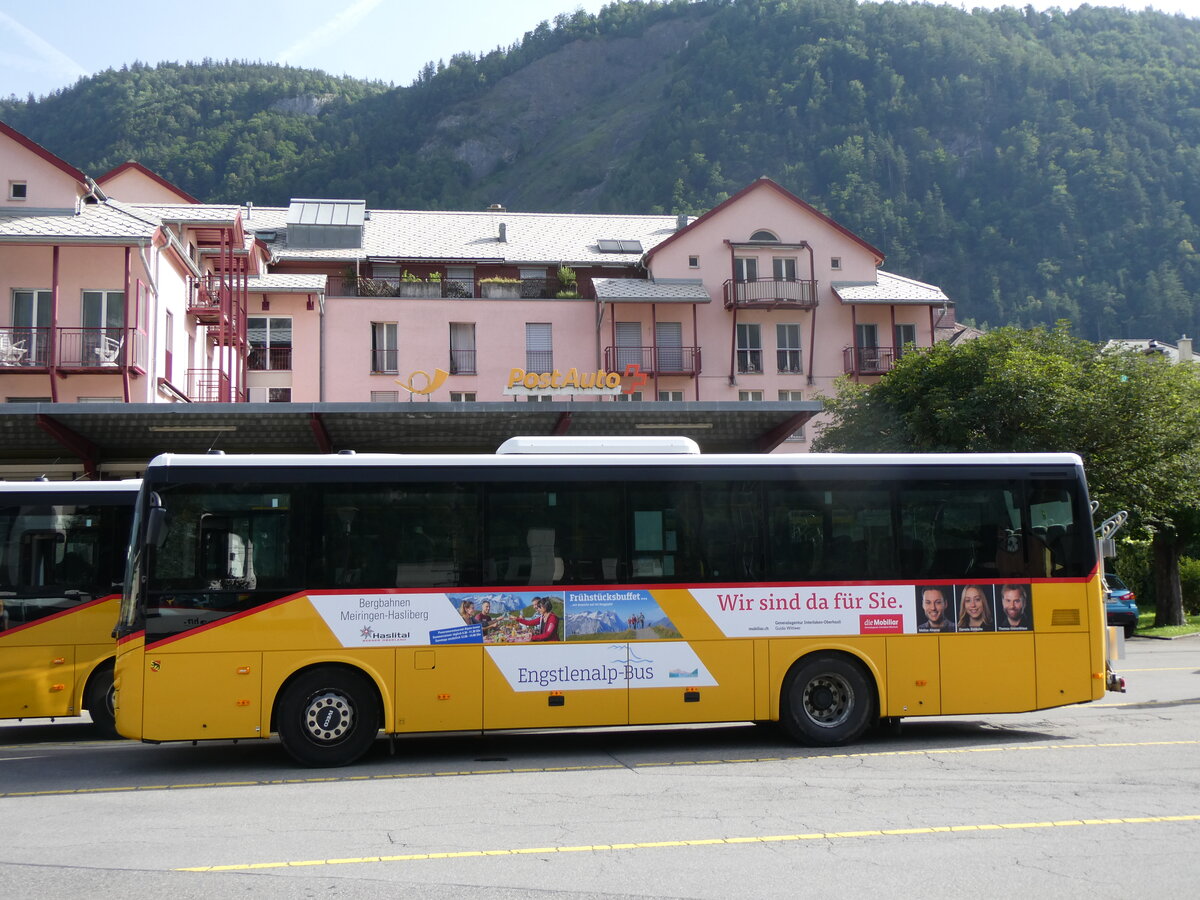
(1134, 419)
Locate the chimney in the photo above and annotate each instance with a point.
(681, 221)
(503, 238)
(1185, 349)
(496, 207)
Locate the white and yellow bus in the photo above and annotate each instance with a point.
(607, 582)
(62, 554)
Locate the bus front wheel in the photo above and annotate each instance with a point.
(328, 717)
(827, 700)
(98, 700)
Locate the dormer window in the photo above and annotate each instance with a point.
(765, 237)
(18, 190)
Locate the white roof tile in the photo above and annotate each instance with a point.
(549, 238)
(286, 282)
(98, 222)
(889, 289)
(634, 290)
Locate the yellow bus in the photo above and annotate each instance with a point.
(62, 554)
(605, 582)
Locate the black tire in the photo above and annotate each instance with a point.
(827, 699)
(328, 717)
(1130, 628)
(98, 698)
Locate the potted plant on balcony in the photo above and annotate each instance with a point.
(568, 287)
(415, 286)
(500, 288)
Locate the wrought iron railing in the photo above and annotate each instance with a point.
(771, 292)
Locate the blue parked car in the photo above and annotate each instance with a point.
(1119, 603)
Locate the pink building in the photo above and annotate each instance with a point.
(125, 289)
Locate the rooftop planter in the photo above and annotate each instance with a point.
(500, 288)
(414, 286)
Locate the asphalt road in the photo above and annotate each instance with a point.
(1092, 801)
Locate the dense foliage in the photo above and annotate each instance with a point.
(1036, 165)
(1135, 420)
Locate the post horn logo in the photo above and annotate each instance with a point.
(421, 383)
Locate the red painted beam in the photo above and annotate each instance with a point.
(76, 444)
(769, 440)
(324, 444)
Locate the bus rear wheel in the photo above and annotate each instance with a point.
(827, 700)
(98, 700)
(328, 717)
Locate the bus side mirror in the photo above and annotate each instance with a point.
(156, 523)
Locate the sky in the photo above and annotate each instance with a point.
(50, 45)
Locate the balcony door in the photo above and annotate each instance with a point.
(668, 342)
(103, 325)
(31, 324)
(866, 347)
(629, 345)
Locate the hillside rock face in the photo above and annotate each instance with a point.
(569, 105)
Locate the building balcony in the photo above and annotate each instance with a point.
(212, 386)
(210, 299)
(770, 293)
(868, 360)
(654, 360)
(447, 289)
(76, 349)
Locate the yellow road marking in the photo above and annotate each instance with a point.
(597, 767)
(700, 842)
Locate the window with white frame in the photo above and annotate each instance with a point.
(384, 350)
(750, 396)
(627, 398)
(270, 340)
(462, 348)
(103, 325)
(539, 398)
(18, 190)
(539, 347)
(784, 268)
(745, 268)
(30, 331)
(794, 397)
(787, 349)
(693, 262)
(279, 395)
(462, 396)
(671, 396)
(749, 348)
(835, 262)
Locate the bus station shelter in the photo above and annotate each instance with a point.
(62, 440)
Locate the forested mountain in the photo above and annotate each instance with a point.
(1035, 165)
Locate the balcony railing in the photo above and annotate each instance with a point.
(462, 362)
(450, 289)
(270, 359)
(770, 293)
(868, 360)
(654, 360)
(210, 386)
(76, 348)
